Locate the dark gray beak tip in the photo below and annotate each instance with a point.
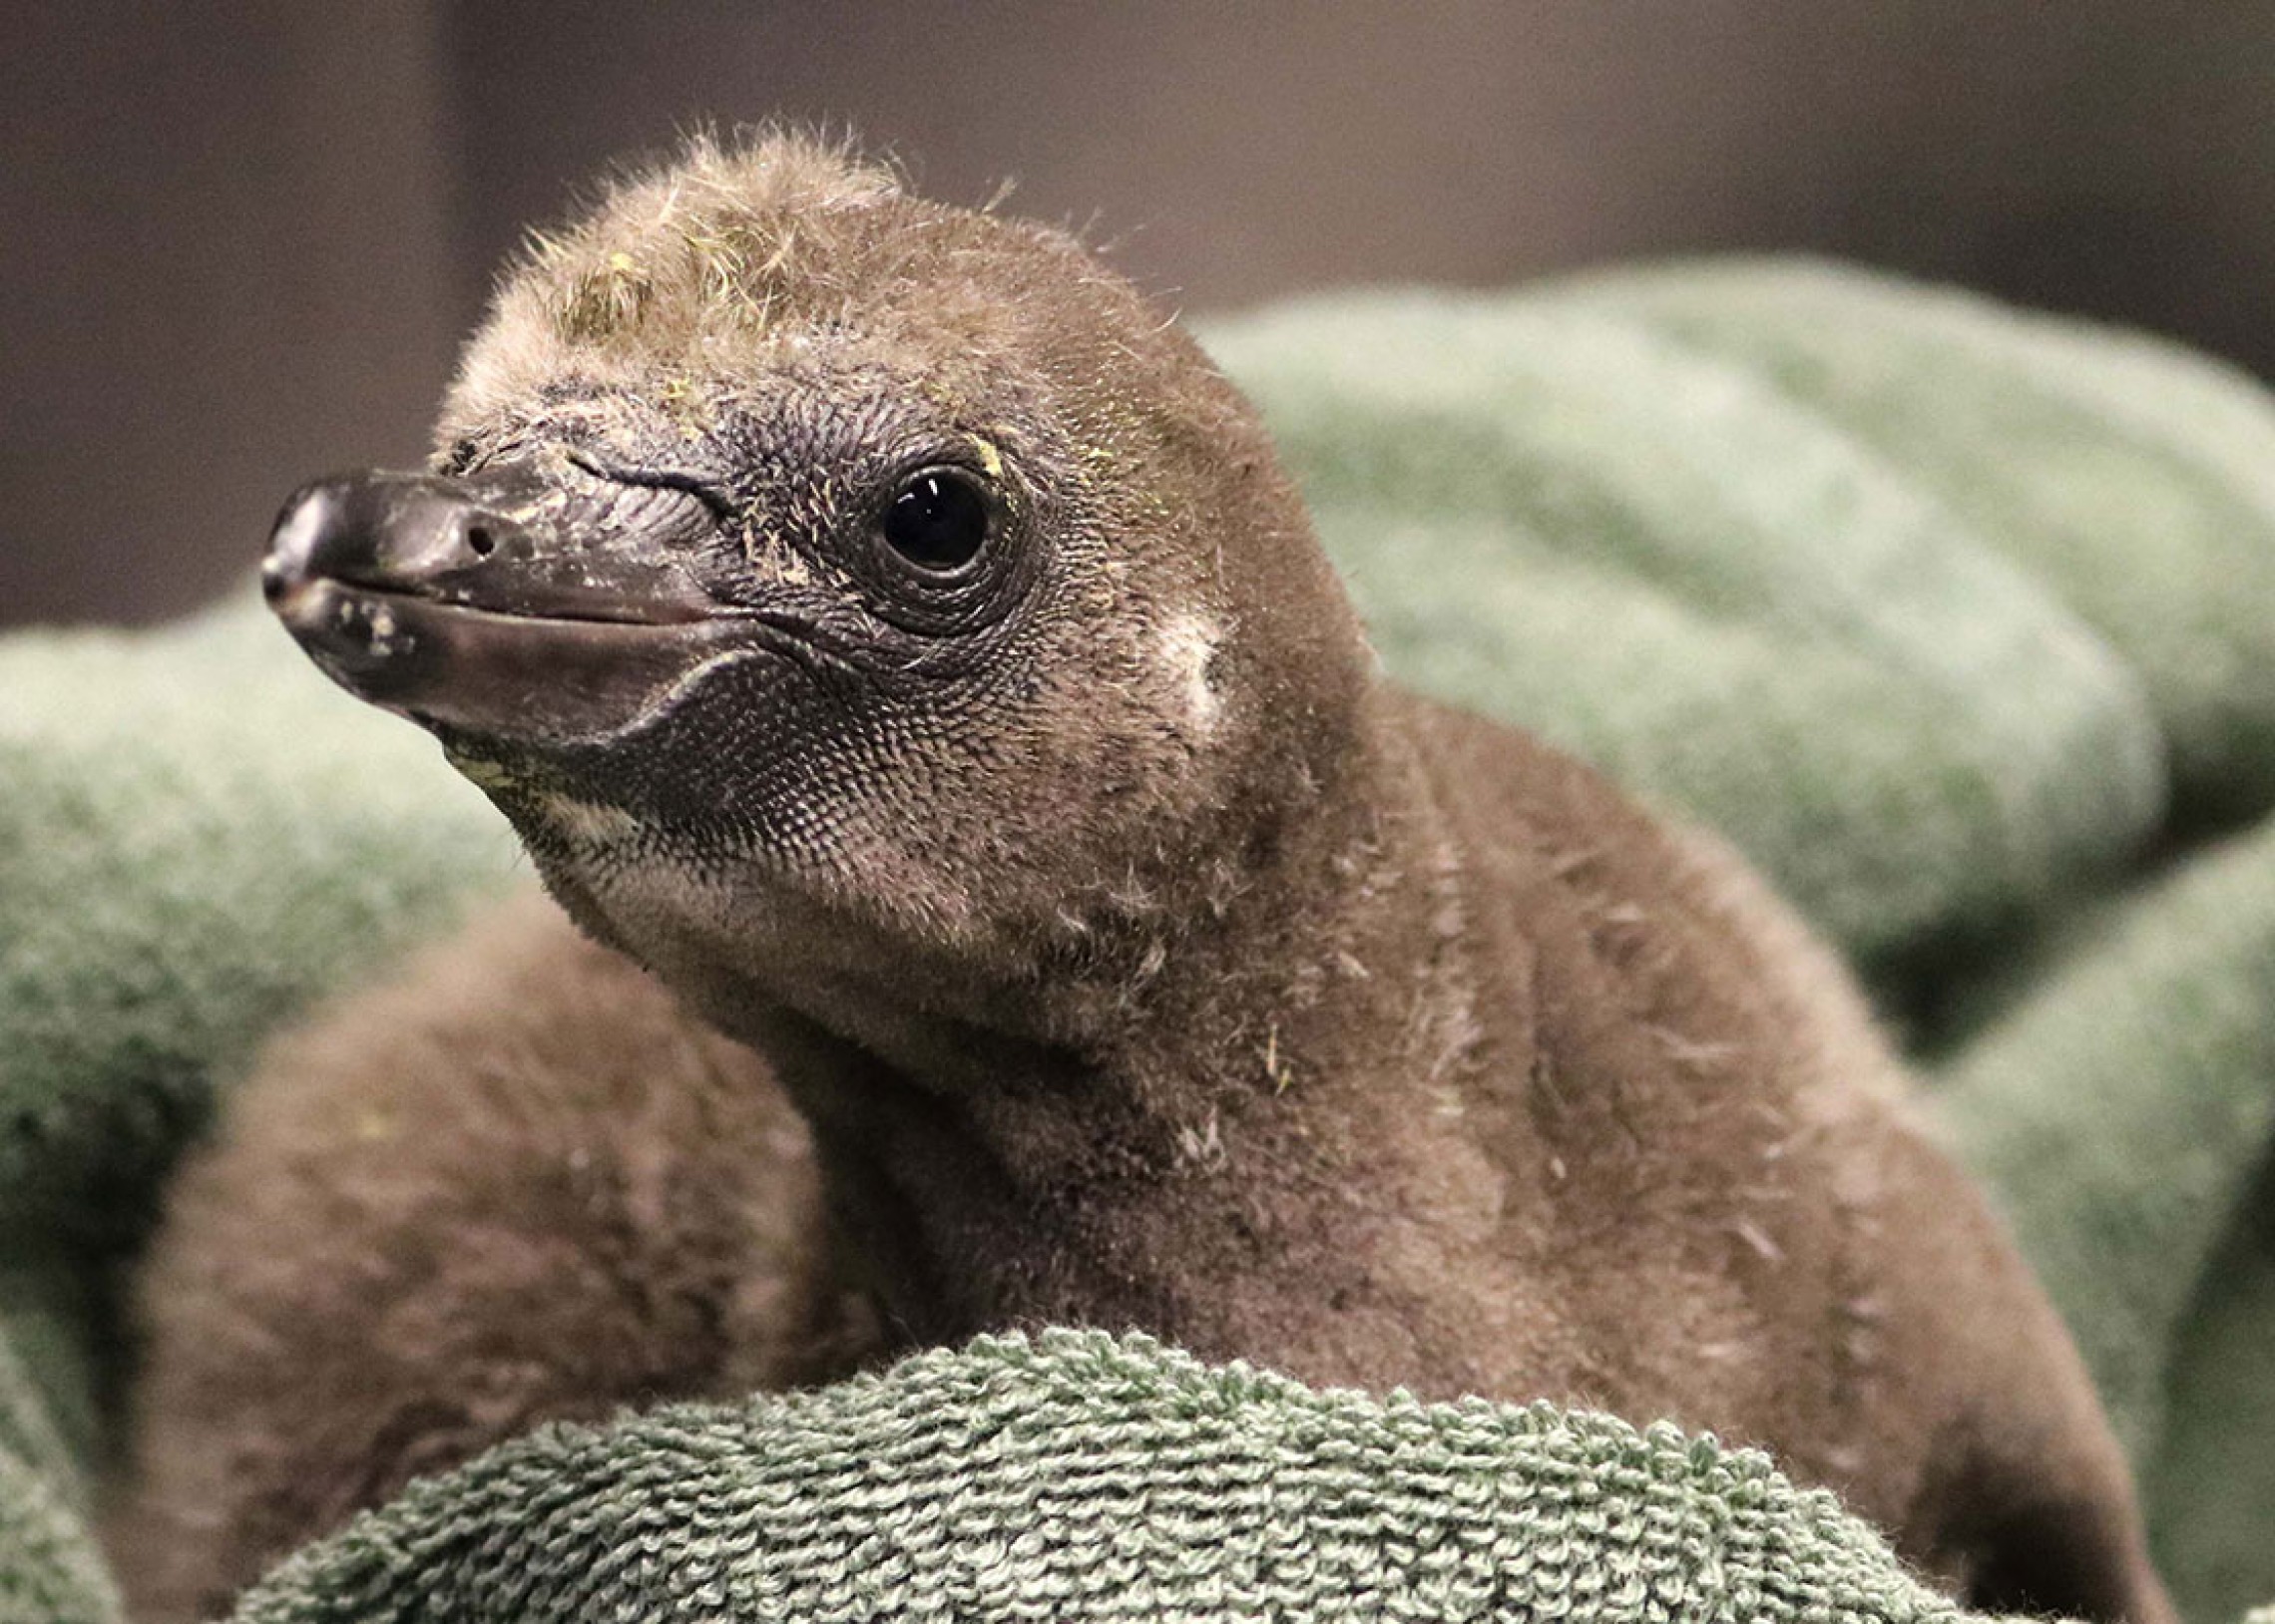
(307, 529)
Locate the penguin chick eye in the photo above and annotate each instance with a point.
(937, 520)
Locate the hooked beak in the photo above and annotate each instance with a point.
(505, 603)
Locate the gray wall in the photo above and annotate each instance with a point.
(242, 240)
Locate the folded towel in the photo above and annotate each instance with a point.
(1082, 1476)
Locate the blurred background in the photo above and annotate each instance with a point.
(239, 243)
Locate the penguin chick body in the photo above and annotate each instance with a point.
(878, 622)
(513, 1185)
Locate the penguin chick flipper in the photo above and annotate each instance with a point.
(515, 1186)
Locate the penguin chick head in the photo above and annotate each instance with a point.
(804, 560)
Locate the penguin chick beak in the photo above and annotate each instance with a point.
(505, 604)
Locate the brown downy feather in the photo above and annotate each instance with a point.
(516, 1184)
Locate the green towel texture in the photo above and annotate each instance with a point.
(1959, 621)
(943, 1491)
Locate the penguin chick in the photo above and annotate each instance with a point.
(515, 1186)
(878, 620)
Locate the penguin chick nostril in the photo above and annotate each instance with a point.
(479, 542)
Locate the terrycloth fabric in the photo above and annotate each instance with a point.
(1957, 621)
(2148, 1048)
(193, 837)
(943, 1490)
(2128, 475)
(49, 1569)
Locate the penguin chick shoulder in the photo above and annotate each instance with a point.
(881, 623)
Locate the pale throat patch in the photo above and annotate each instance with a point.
(1188, 645)
(585, 823)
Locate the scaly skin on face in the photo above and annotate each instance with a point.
(877, 619)
(887, 747)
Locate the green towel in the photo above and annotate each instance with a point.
(50, 1572)
(194, 839)
(1083, 1478)
(2147, 1046)
(1957, 621)
(2128, 474)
